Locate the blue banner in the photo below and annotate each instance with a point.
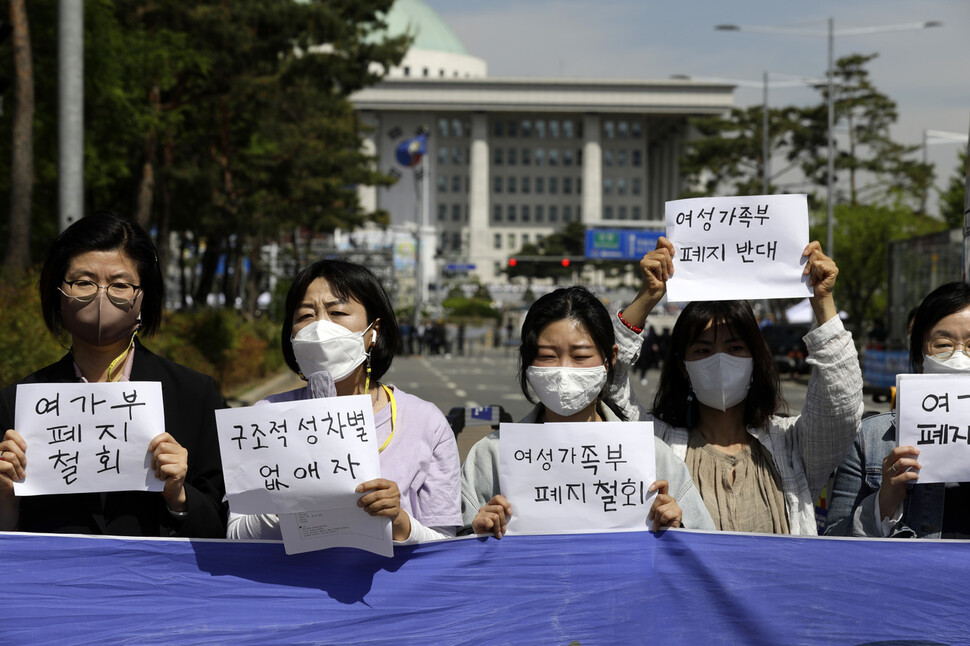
(626, 588)
(620, 244)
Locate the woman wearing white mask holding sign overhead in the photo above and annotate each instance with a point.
(719, 397)
(567, 359)
(339, 321)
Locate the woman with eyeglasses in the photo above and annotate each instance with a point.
(101, 285)
(877, 490)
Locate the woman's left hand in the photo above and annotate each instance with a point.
(170, 461)
(665, 511)
(822, 272)
(384, 499)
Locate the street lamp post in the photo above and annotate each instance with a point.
(831, 33)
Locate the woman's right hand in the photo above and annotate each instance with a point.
(655, 268)
(493, 517)
(898, 469)
(13, 468)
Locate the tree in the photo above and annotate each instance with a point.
(952, 200)
(17, 257)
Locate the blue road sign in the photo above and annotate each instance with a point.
(620, 244)
(460, 266)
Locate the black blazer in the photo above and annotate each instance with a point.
(190, 400)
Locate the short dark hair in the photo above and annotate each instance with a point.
(764, 396)
(347, 280)
(579, 304)
(103, 231)
(946, 299)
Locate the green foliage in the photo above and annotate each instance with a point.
(472, 309)
(25, 345)
(952, 200)
(861, 239)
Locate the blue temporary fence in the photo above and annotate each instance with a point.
(678, 587)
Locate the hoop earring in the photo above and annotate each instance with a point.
(690, 409)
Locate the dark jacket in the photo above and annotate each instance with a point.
(190, 400)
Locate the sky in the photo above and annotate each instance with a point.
(926, 72)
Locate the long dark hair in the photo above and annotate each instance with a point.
(579, 304)
(347, 280)
(103, 231)
(764, 397)
(946, 299)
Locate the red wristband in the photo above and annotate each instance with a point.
(638, 330)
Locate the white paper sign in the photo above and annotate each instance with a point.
(307, 531)
(577, 477)
(934, 416)
(297, 456)
(729, 248)
(85, 438)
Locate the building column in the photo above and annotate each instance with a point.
(592, 169)
(479, 241)
(368, 194)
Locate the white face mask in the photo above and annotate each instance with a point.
(959, 362)
(326, 346)
(566, 391)
(721, 380)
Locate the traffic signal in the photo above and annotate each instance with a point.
(513, 262)
(564, 262)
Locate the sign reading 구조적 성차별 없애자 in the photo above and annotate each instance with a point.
(85, 438)
(728, 248)
(577, 477)
(291, 457)
(934, 416)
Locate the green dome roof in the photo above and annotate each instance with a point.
(429, 30)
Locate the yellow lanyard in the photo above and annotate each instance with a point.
(390, 398)
(123, 355)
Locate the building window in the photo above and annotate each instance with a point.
(512, 156)
(621, 212)
(456, 212)
(526, 215)
(540, 185)
(511, 240)
(525, 239)
(513, 129)
(579, 186)
(467, 210)
(567, 157)
(497, 184)
(442, 211)
(497, 213)
(468, 184)
(579, 156)
(511, 212)
(608, 212)
(553, 129)
(425, 72)
(553, 156)
(511, 184)
(442, 183)
(456, 240)
(636, 130)
(540, 213)
(636, 213)
(635, 186)
(444, 241)
(540, 156)
(498, 156)
(442, 156)
(567, 213)
(497, 129)
(497, 241)
(526, 128)
(442, 127)
(607, 157)
(553, 213)
(407, 71)
(456, 184)
(567, 129)
(637, 158)
(621, 157)
(539, 239)
(526, 156)
(567, 185)
(525, 185)
(553, 185)
(609, 130)
(540, 129)
(456, 155)
(621, 186)
(456, 128)
(607, 186)
(623, 129)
